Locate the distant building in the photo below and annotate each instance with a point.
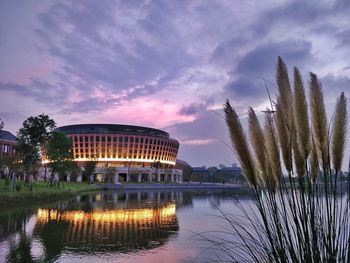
(133, 153)
(8, 143)
(214, 174)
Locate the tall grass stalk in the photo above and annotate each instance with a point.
(303, 216)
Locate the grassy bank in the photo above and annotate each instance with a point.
(41, 192)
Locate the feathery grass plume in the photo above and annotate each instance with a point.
(284, 113)
(301, 116)
(283, 136)
(257, 139)
(240, 144)
(285, 91)
(319, 119)
(272, 149)
(283, 83)
(314, 165)
(339, 133)
(299, 159)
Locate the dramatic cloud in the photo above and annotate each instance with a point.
(167, 64)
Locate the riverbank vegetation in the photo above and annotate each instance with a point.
(40, 192)
(303, 216)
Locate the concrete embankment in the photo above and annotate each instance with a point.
(151, 186)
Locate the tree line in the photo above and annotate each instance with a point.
(39, 143)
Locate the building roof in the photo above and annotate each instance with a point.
(7, 136)
(111, 129)
(182, 162)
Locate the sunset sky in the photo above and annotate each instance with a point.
(164, 64)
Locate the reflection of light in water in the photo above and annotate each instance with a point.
(118, 229)
(108, 216)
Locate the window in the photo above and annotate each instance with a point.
(6, 148)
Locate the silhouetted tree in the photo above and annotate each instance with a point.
(32, 138)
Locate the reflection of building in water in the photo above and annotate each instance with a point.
(127, 200)
(112, 230)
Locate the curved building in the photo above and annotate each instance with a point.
(129, 149)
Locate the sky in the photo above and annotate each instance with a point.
(165, 64)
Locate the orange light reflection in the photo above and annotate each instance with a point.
(109, 216)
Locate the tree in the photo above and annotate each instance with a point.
(10, 164)
(187, 173)
(89, 168)
(300, 217)
(60, 155)
(74, 171)
(32, 138)
(110, 173)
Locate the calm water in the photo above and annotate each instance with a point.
(117, 227)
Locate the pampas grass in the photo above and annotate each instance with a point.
(319, 119)
(300, 217)
(302, 127)
(339, 133)
(273, 153)
(240, 144)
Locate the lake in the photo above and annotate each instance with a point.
(130, 226)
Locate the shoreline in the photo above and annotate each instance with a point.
(50, 195)
(164, 186)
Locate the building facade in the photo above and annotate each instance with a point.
(131, 153)
(8, 143)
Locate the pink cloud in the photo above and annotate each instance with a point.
(147, 111)
(144, 111)
(198, 141)
(41, 70)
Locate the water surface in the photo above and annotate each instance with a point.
(118, 227)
